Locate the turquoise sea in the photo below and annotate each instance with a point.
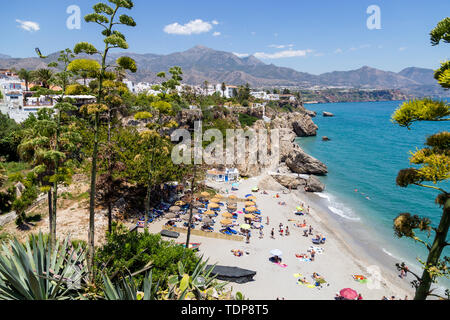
(364, 155)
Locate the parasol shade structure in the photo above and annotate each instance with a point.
(299, 209)
(226, 222)
(204, 194)
(255, 189)
(210, 213)
(170, 216)
(348, 293)
(214, 200)
(251, 198)
(276, 252)
(232, 197)
(249, 216)
(218, 196)
(180, 203)
(251, 209)
(174, 209)
(249, 204)
(186, 217)
(213, 206)
(246, 226)
(227, 215)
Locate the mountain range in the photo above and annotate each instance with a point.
(202, 64)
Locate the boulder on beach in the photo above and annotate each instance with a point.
(270, 184)
(328, 114)
(300, 162)
(290, 181)
(314, 185)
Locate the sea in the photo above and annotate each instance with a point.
(364, 156)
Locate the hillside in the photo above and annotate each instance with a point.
(202, 64)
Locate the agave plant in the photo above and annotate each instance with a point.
(33, 271)
(126, 289)
(198, 286)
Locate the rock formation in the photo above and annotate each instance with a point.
(328, 114)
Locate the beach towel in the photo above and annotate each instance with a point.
(283, 265)
(297, 275)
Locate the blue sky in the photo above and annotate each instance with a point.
(318, 36)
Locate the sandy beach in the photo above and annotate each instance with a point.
(336, 264)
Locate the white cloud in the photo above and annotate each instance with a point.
(215, 22)
(28, 25)
(241, 55)
(283, 54)
(216, 34)
(281, 46)
(192, 27)
(338, 51)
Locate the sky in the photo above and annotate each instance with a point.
(309, 36)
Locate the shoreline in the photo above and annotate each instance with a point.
(338, 262)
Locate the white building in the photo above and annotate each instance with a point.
(227, 175)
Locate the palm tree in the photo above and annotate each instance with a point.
(43, 76)
(224, 87)
(26, 76)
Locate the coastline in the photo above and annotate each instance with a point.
(340, 260)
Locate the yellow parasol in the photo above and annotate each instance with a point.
(251, 198)
(226, 222)
(210, 213)
(213, 206)
(214, 200)
(204, 194)
(249, 216)
(245, 227)
(232, 197)
(218, 196)
(251, 209)
(249, 204)
(180, 203)
(227, 215)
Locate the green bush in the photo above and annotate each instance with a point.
(247, 120)
(127, 252)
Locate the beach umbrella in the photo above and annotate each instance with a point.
(207, 220)
(215, 200)
(218, 196)
(245, 226)
(213, 206)
(232, 197)
(226, 222)
(348, 293)
(249, 204)
(170, 216)
(227, 215)
(210, 213)
(198, 204)
(204, 194)
(174, 209)
(249, 216)
(185, 217)
(251, 198)
(180, 203)
(251, 209)
(276, 252)
(255, 189)
(299, 209)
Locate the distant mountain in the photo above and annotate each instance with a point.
(419, 75)
(202, 64)
(4, 56)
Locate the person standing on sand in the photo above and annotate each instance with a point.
(272, 233)
(287, 231)
(267, 220)
(310, 230)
